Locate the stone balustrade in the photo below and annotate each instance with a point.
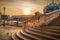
(44, 19)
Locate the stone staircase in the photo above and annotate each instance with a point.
(38, 33)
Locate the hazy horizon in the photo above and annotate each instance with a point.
(22, 7)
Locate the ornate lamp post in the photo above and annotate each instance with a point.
(4, 16)
(4, 10)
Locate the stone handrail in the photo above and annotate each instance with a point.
(51, 16)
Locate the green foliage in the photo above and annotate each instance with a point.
(37, 13)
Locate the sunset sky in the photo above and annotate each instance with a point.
(23, 7)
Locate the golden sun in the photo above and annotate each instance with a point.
(27, 11)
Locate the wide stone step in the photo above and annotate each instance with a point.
(28, 35)
(54, 24)
(42, 35)
(14, 37)
(55, 29)
(46, 26)
(49, 27)
(38, 35)
(20, 35)
(46, 32)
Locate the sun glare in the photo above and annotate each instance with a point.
(27, 11)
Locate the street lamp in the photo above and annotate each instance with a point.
(4, 10)
(4, 16)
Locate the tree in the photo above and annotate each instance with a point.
(37, 14)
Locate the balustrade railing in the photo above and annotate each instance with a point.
(44, 19)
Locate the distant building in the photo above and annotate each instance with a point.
(20, 17)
